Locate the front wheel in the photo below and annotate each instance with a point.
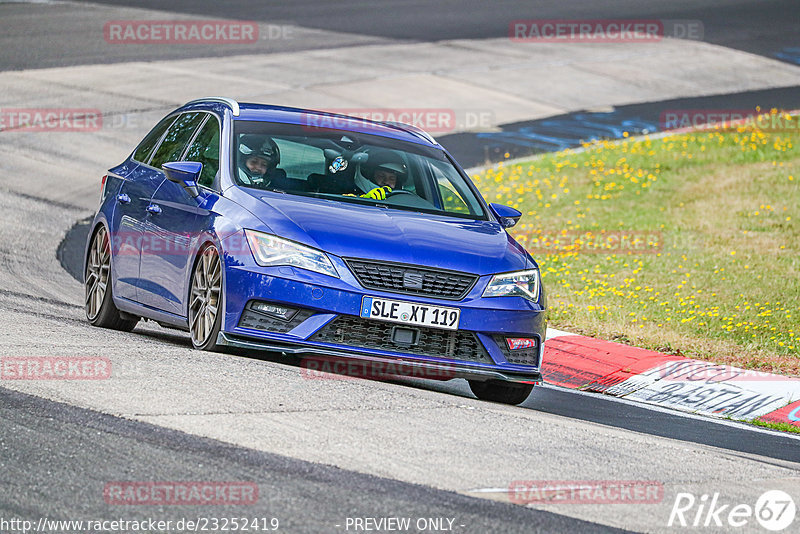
(205, 300)
(499, 391)
(99, 302)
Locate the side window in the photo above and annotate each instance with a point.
(177, 136)
(452, 200)
(205, 150)
(299, 160)
(145, 148)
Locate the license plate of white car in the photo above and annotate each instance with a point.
(410, 313)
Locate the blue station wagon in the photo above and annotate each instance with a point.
(317, 235)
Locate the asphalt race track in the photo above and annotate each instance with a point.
(325, 450)
(77, 451)
(764, 28)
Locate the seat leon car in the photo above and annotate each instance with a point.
(321, 236)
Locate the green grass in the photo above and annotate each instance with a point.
(783, 427)
(714, 216)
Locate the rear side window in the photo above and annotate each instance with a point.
(177, 136)
(205, 149)
(145, 148)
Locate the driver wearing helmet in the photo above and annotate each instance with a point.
(258, 159)
(380, 174)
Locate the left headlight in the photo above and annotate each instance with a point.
(523, 284)
(270, 251)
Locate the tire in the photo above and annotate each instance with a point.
(205, 300)
(99, 301)
(498, 391)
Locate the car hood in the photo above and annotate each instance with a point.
(355, 231)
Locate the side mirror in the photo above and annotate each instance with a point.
(185, 173)
(508, 216)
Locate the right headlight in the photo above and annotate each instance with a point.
(523, 284)
(269, 251)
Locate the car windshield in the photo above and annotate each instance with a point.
(351, 167)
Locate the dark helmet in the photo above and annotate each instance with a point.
(387, 160)
(261, 147)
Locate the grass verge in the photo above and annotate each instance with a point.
(783, 427)
(687, 244)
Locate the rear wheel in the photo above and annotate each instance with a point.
(205, 300)
(99, 302)
(498, 391)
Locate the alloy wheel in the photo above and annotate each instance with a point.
(97, 273)
(205, 296)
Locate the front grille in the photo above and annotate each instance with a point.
(357, 332)
(268, 323)
(412, 279)
(520, 356)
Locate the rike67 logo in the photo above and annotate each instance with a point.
(774, 510)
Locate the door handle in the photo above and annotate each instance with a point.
(155, 209)
(122, 198)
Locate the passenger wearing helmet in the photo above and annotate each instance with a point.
(258, 159)
(383, 172)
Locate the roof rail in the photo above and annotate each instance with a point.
(409, 128)
(231, 103)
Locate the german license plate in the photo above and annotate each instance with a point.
(410, 313)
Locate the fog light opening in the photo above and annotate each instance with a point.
(519, 343)
(273, 310)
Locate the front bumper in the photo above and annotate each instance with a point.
(402, 367)
(329, 304)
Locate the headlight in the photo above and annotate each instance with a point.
(270, 251)
(523, 284)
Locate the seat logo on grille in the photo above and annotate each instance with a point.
(413, 280)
